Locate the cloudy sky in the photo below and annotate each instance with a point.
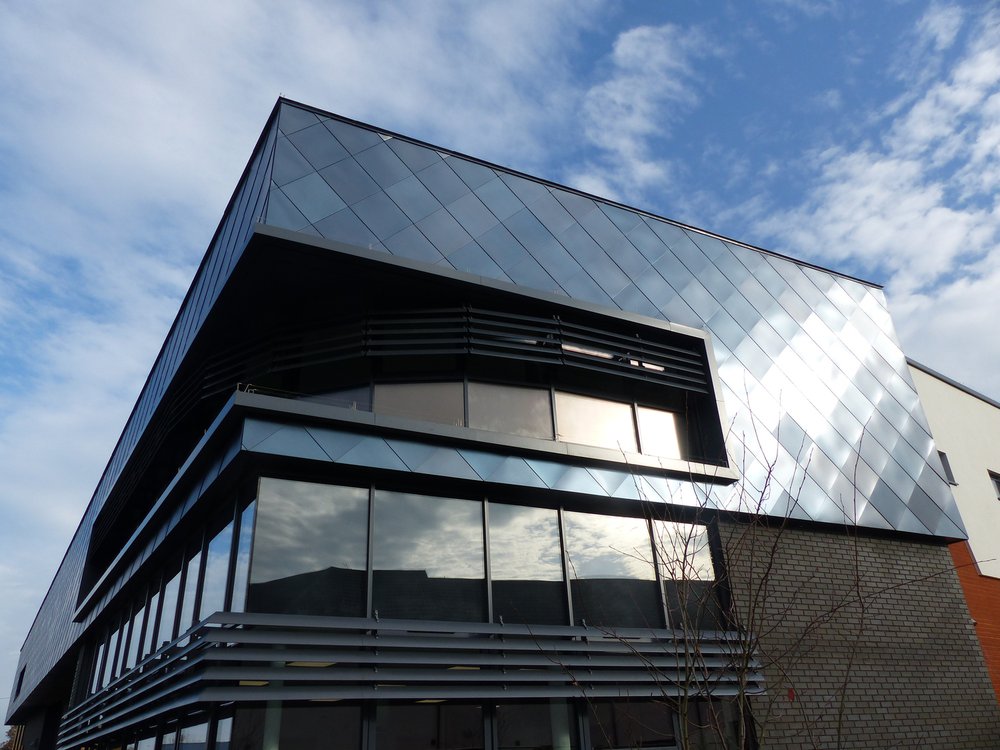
(861, 136)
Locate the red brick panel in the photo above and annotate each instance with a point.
(982, 593)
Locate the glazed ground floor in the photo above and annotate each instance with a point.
(446, 725)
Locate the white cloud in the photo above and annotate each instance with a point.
(650, 83)
(918, 206)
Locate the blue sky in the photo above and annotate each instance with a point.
(861, 136)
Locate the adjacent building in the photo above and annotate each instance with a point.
(441, 455)
(966, 427)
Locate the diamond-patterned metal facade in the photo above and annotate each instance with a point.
(825, 421)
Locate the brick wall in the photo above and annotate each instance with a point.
(867, 641)
(982, 594)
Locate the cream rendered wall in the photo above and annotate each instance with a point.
(967, 428)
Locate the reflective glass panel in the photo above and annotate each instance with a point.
(146, 743)
(714, 724)
(631, 724)
(310, 549)
(193, 738)
(149, 642)
(168, 610)
(431, 402)
(313, 727)
(685, 559)
(190, 592)
(428, 557)
(112, 654)
(223, 733)
(241, 567)
(510, 409)
(595, 421)
(213, 593)
(135, 641)
(536, 726)
(612, 579)
(98, 668)
(658, 432)
(526, 565)
(429, 727)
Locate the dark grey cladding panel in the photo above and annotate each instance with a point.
(825, 423)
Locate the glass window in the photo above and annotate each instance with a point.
(429, 727)
(241, 568)
(169, 741)
(339, 726)
(135, 641)
(190, 591)
(428, 557)
(193, 737)
(149, 641)
(595, 421)
(684, 555)
(310, 550)
(526, 565)
(292, 728)
(612, 578)
(432, 402)
(168, 610)
(658, 432)
(213, 592)
(96, 683)
(536, 726)
(510, 409)
(631, 724)
(223, 733)
(714, 724)
(112, 654)
(146, 743)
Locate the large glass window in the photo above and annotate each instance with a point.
(213, 592)
(595, 421)
(191, 581)
(428, 557)
(310, 550)
(526, 565)
(429, 727)
(536, 726)
(193, 738)
(96, 683)
(658, 432)
(685, 559)
(432, 402)
(241, 565)
(149, 640)
(619, 724)
(168, 608)
(135, 641)
(510, 409)
(612, 577)
(283, 727)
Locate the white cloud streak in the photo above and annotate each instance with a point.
(651, 81)
(918, 205)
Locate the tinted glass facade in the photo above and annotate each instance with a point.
(456, 478)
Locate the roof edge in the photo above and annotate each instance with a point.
(575, 191)
(952, 382)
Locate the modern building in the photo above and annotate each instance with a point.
(966, 429)
(441, 455)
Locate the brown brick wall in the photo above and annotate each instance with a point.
(982, 594)
(867, 641)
